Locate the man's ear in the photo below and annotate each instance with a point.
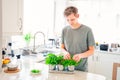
(77, 15)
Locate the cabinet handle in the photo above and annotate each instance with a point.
(97, 58)
(92, 58)
(21, 25)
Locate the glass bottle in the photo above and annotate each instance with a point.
(19, 62)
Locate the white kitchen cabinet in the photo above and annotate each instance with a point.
(12, 18)
(118, 73)
(102, 63)
(0, 35)
(91, 63)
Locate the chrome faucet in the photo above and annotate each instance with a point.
(34, 40)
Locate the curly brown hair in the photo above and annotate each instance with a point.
(70, 10)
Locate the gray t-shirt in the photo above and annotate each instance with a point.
(78, 41)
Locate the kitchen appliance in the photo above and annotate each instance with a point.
(104, 47)
(114, 47)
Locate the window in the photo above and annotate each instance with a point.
(38, 16)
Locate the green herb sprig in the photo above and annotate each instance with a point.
(53, 59)
(28, 37)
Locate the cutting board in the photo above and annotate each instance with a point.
(8, 71)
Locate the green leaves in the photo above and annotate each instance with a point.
(59, 59)
(51, 59)
(69, 62)
(35, 71)
(27, 37)
(65, 62)
(54, 60)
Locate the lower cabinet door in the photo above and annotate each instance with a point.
(102, 63)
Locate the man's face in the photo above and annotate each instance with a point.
(72, 19)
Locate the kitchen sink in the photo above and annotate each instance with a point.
(47, 51)
(43, 51)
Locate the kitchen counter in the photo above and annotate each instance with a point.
(107, 52)
(29, 63)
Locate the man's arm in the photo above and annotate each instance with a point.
(66, 54)
(63, 48)
(88, 53)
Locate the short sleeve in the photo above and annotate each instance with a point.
(90, 38)
(62, 37)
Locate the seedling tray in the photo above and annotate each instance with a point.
(64, 72)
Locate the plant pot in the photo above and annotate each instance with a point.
(65, 68)
(60, 67)
(12, 67)
(52, 67)
(71, 68)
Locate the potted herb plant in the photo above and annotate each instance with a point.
(70, 64)
(65, 64)
(51, 60)
(59, 60)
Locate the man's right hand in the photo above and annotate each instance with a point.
(67, 56)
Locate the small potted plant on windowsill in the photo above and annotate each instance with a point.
(27, 38)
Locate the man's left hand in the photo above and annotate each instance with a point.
(76, 57)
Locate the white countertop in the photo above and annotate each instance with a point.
(29, 63)
(108, 52)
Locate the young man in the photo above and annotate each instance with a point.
(77, 39)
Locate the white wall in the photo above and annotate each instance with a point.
(103, 16)
(0, 35)
(59, 17)
(38, 16)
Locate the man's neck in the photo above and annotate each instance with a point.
(76, 26)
